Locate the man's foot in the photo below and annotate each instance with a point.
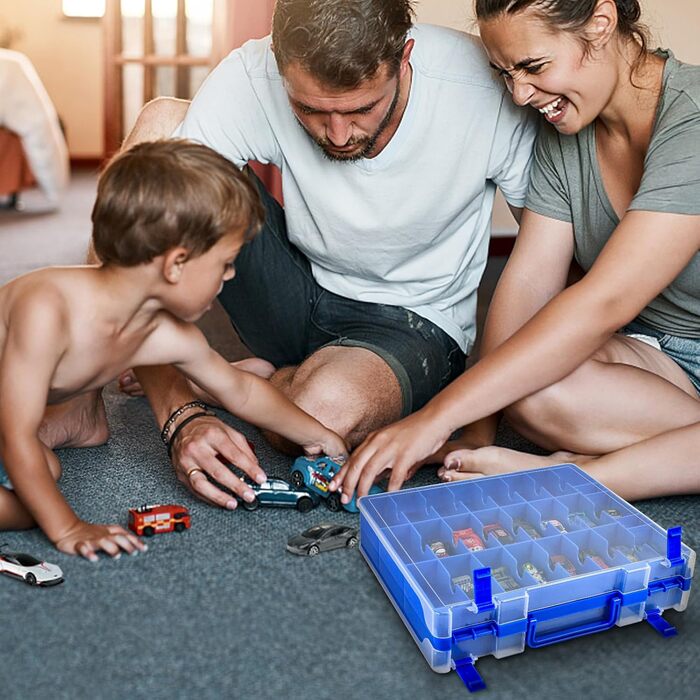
(489, 461)
(129, 384)
(80, 422)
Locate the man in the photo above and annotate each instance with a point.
(359, 298)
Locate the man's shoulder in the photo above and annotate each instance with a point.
(256, 58)
(451, 55)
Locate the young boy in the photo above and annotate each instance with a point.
(169, 220)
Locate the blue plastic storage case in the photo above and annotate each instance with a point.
(581, 560)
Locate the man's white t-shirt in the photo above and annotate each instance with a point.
(409, 227)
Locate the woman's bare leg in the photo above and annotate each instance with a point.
(664, 465)
(627, 392)
(630, 403)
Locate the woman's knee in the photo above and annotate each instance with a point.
(547, 414)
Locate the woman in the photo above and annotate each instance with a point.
(615, 186)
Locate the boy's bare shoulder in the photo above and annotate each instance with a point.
(172, 341)
(36, 302)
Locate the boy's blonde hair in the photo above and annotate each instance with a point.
(163, 194)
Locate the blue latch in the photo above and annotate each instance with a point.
(469, 675)
(482, 589)
(673, 545)
(664, 628)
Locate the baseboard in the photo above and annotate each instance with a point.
(86, 162)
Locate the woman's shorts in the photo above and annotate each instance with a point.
(685, 352)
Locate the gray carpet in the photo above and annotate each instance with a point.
(222, 611)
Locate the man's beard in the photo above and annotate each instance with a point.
(368, 143)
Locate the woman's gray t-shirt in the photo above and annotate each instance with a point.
(566, 184)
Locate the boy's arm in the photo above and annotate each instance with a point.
(36, 340)
(244, 394)
(252, 398)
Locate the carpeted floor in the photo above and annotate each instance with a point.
(222, 611)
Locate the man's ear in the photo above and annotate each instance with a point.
(603, 23)
(173, 263)
(406, 55)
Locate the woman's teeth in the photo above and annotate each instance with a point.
(552, 109)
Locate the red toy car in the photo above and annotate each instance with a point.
(148, 520)
(499, 532)
(565, 562)
(471, 540)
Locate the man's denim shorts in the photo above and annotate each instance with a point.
(4, 479)
(685, 352)
(283, 315)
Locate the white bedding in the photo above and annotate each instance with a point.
(26, 109)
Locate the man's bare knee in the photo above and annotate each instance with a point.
(157, 119)
(352, 403)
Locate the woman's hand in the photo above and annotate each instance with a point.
(398, 449)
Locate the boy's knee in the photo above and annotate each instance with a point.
(54, 464)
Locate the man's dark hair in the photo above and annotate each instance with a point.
(163, 194)
(341, 43)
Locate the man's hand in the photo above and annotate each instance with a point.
(86, 540)
(204, 448)
(398, 449)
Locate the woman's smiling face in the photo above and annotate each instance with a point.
(550, 69)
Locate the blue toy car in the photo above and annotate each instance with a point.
(316, 475)
(278, 493)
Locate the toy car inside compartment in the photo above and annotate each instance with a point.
(622, 567)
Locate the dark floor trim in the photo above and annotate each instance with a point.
(501, 245)
(86, 163)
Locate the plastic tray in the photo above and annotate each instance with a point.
(568, 558)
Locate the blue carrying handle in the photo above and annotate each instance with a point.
(614, 603)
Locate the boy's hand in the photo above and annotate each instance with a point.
(397, 450)
(331, 445)
(86, 540)
(204, 448)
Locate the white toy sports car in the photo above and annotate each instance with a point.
(30, 569)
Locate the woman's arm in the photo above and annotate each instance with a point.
(643, 256)
(536, 272)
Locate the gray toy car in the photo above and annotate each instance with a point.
(322, 538)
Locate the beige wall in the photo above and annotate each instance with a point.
(68, 57)
(68, 54)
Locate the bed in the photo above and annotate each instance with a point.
(32, 146)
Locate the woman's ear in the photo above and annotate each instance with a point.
(173, 264)
(602, 25)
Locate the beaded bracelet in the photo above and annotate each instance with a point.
(181, 425)
(176, 414)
